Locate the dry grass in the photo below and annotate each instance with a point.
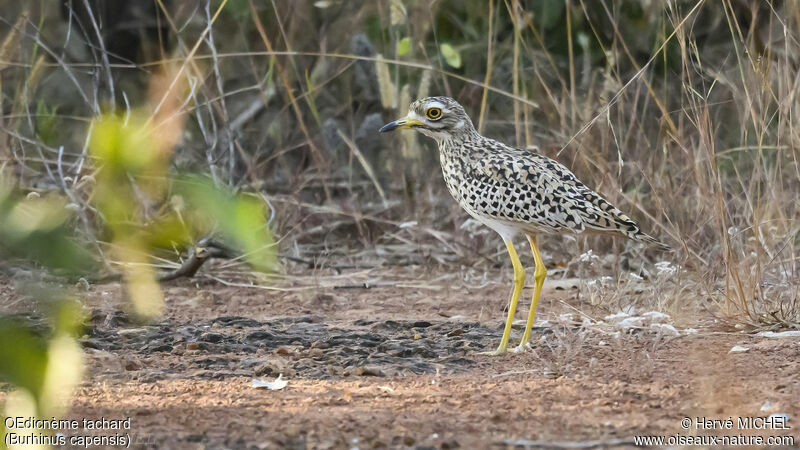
(683, 113)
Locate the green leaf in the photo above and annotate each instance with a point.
(403, 46)
(47, 123)
(451, 56)
(38, 229)
(240, 218)
(23, 354)
(124, 144)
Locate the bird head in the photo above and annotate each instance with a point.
(441, 118)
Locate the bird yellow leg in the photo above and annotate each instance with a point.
(519, 282)
(539, 275)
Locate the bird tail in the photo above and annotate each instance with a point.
(630, 229)
(610, 219)
(650, 240)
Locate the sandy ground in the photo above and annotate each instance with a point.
(400, 366)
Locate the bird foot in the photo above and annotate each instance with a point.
(500, 350)
(522, 348)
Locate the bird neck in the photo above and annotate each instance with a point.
(460, 141)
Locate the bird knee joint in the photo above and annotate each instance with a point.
(519, 275)
(540, 273)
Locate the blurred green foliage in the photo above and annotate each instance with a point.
(451, 56)
(23, 355)
(240, 218)
(142, 207)
(134, 173)
(41, 362)
(403, 46)
(27, 352)
(48, 123)
(38, 229)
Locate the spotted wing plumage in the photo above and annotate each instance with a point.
(525, 188)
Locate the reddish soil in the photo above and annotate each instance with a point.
(400, 366)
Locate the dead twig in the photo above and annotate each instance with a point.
(201, 252)
(198, 255)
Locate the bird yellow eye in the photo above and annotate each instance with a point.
(433, 113)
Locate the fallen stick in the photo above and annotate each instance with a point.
(199, 253)
(204, 250)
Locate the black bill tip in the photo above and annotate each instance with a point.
(391, 126)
